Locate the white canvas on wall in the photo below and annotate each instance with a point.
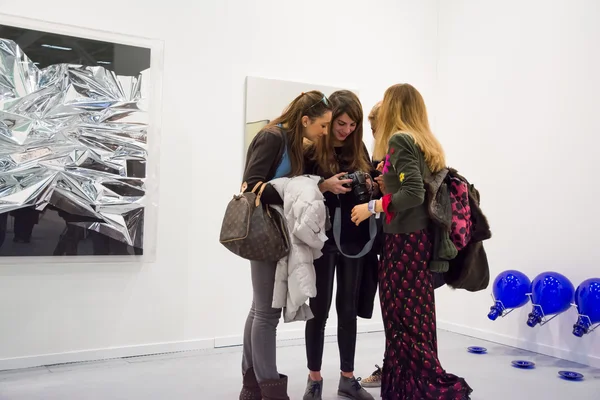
(266, 99)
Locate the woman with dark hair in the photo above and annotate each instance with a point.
(275, 152)
(331, 157)
(411, 152)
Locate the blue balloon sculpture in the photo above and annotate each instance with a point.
(551, 293)
(587, 299)
(511, 289)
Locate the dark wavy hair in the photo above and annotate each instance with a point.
(353, 153)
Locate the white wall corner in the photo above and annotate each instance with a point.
(511, 341)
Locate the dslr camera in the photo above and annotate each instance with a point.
(360, 187)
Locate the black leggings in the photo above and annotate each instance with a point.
(349, 275)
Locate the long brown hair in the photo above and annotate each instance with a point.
(403, 111)
(353, 155)
(313, 104)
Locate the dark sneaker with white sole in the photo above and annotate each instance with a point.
(374, 380)
(314, 390)
(350, 388)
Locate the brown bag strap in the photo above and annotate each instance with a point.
(245, 187)
(257, 186)
(259, 195)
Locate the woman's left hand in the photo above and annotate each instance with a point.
(360, 213)
(380, 184)
(369, 181)
(372, 186)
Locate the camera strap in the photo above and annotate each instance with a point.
(337, 233)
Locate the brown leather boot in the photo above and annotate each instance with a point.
(250, 388)
(275, 389)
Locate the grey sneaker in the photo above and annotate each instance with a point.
(314, 390)
(350, 388)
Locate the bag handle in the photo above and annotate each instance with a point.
(257, 186)
(260, 192)
(245, 187)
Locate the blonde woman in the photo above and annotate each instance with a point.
(373, 117)
(411, 369)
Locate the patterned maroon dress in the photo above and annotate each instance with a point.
(411, 369)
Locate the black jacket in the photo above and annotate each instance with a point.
(469, 269)
(370, 281)
(264, 155)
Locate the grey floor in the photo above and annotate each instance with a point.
(214, 374)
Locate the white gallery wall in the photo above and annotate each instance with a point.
(512, 91)
(197, 294)
(518, 114)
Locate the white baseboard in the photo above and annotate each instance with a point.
(104, 354)
(564, 354)
(283, 335)
(156, 348)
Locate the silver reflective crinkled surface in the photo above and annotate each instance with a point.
(74, 138)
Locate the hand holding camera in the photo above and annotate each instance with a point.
(361, 185)
(336, 184)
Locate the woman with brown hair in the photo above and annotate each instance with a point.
(411, 369)
(331, 157)
(275, 152)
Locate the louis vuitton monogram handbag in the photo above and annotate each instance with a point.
(253, 230)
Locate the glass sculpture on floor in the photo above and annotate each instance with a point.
(73, 151)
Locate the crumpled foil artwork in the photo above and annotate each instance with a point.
(73, 138)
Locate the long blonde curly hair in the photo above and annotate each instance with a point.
(403, 111)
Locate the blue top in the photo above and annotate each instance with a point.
(285, 166)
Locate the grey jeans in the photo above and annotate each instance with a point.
(261, 326)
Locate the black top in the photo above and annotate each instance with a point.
(264, 155)
(353, 238)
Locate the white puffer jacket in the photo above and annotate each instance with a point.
(295, 278)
